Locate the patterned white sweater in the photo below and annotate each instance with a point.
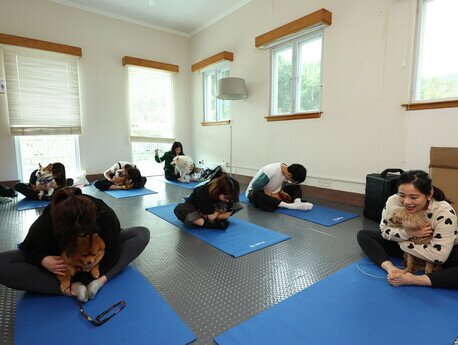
(443, 220)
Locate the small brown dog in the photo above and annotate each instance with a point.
(45, 178)
(89, 251)
(412, 222)
(285, 197)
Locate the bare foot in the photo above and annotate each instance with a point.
(407, 278)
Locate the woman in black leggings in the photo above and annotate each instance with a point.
(34, 266)
(416, 194)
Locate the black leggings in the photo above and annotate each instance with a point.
(26, 190)
(268, 203)
(379, 250)
(18, 273)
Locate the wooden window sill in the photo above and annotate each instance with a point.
(302, 116)
(431, 105)
(216, 123)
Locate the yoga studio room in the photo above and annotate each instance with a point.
(230, 172)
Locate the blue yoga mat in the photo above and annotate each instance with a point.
(146, 319)
(318, 214)
(29, 204)
(190, 185)
(121, 194)
(350, 307)
(239, 239)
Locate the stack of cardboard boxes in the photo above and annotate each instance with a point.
(443, 169)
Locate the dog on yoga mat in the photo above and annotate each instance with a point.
(45, 179)
(89, 251)
(413, 221)
(184, 166)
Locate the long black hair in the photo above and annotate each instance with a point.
(422, 181)
(175, 145)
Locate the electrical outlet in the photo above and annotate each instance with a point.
(323, 182)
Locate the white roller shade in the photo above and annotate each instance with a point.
(42, 92)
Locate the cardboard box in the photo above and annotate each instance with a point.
(443, 169)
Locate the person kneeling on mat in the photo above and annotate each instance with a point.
(210, 205)
(268, 192)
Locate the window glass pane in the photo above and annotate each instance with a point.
(437, 75)
(283, 81)
(150, 102)
(225, 106)
(209, 96)
(143, 157)
(45, 149)
(309, 75)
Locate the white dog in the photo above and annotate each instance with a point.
(183, 166)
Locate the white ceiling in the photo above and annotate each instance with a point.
(183, 17)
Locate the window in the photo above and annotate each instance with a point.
(436, 74)
(45, 149)
(43, 98)
(296, 76)
(150, 105)
(215, 109)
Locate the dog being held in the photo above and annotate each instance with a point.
(89, 252)
(184, 166)
(121, 179)
(45, 178)
(414, 221)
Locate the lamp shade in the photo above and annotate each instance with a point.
(231, 88)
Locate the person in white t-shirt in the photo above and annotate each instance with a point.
(269, 189)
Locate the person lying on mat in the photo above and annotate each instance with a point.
(31, 190)
(167, 158)
(122, 175)
(35, 265)
(210, 205)
(416, 193)
(268, 191)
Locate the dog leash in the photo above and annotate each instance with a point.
(358, 266)
(99, 320)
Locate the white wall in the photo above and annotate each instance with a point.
(103, 79)
(366, 77)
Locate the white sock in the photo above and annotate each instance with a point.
(93, 287)
(304, 206)
(297, 200)
(80, 291)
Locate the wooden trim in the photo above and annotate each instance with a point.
(133, 61)
(94, 177)
(10, 184)
(431, 105)
(320, 17)
(216, 123)
(343, 197)
(303, 116)
(37, 44)
(224, 55)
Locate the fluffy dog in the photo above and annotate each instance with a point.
(412, 222)
(184, 166)
(120, 178)
(89, 251)
(45, 178)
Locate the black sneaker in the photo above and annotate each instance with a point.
(7, 191)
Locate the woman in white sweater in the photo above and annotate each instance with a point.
(416, 194)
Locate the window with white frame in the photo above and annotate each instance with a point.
(296, 75)
(151, 116)
(215, 109)
(436, 76)
(44, 107)
(45, 149)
